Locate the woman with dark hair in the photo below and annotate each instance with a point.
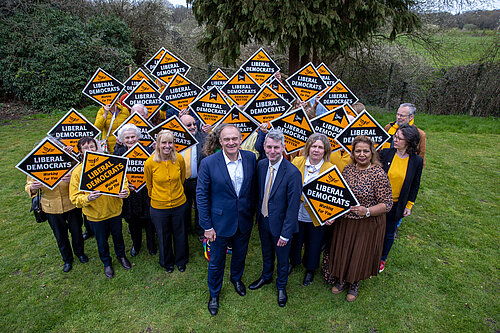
(165, 172)
(102, 211)
(358, 236)
(404, 168)
(314, 160)
(136, 207)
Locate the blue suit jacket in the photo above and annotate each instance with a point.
(284, 199)
(218, 205)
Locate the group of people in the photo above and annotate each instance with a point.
(230, 188)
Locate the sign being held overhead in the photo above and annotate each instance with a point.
(48, 163)
(328, 195)
(135, 79)
(168, 66)
(104, 173)
(136, 155)
(180, 92)
(306, 82)
(103, 88)
(142, 124)
(241, 87)
(243, 121)
(280, 88)
(296, 129)
(217, 79)
(327, 75)
(364, 124)
(331, 124)
(338, 95)
(151, 64)
(183, 139)
(210, 107)
(146, 94)
(260, 66)
(266, 105)
(71, 127)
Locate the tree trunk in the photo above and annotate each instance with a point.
(389, 87)
(293, 58)
(476, 89)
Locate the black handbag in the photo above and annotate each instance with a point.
(36, 208)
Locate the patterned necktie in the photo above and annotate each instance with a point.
(269, 184)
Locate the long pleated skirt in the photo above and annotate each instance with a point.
(356, 248)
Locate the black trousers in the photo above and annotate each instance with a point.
(135, 225)
(102, 230)
(169, 224)
(62, 223)
(312, 239)
(190, 192)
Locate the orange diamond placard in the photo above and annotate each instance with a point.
(103, 88)
(103, 172)
(306, 82)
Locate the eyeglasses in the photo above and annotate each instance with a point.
(402, 115)
(397, 138)
(190, 124)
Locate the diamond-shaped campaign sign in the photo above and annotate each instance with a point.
(338, 95)
(151, 63)
(136, 155)
(168, 66)
(266, 105)
(136, 78)
(146, 94)
(306, 82)
(103, 88)
(296, 128)
(280, 88)
(329, 195)
(183, 139)
(144, 126)
(48, 163)
(243, 121)
(103, 172)
(217, 79)
(210, 107)
(364, 124)
(326, 74)
(260, 66)
(71, 127)
(180, 92)
(240, 87)
(349, 110)
(331, 124)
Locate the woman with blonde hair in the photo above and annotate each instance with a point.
(165, 172)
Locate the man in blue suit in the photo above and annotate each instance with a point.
(279, 185)
(225, 198)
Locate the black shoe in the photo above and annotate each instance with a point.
(240, 288)
(83, 258)
(181, 268)
(133, 252)
(67, 267)
(282, 297)
(124, 262)
(86, 235)
(170, 269)
(257, 284)
(308, 279)
(109, 272)
(213, 305)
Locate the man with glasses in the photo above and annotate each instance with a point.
(406, 115)
(192, 156)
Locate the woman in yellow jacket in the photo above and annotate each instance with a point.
(62, 216)
(314, 160)
(103, 213)
(165, 172)
(110, 116)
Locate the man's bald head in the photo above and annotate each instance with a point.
(190, 123)
(140, 109)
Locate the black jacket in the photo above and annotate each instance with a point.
(411, 183)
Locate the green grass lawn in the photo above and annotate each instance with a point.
(442, 274)
(456, 47)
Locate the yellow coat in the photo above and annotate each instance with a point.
(300, 163)
(54, 201)
(103, 124)
(100, 209)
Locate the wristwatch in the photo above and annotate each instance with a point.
(367, 212)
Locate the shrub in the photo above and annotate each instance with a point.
(47, 55)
